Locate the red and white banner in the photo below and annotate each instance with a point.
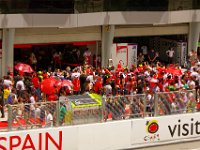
(124, 53)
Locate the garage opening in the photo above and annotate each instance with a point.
(160, 44)
(51, 56)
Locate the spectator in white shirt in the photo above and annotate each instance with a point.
(21, 84)
(170, 55)
(32, 107)
(49, 119)
(7, 81)
(191, 83)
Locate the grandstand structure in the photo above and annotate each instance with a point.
(127, 121)
(27, 22)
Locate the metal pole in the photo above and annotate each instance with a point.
(57, 113)
(195, 92)
(10, 117)
(97, 48)
(156, 105)
(145, 104)
(103, 106)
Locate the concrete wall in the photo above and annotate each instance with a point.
(100, 18)
(123, 31)
(47, 35)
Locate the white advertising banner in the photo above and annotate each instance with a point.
(132, 55)
(166, 128)
(111, 135)
(183, 53)
(84, 137)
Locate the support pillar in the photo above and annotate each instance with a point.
(193, 37)
(7, 51)
(107, 41)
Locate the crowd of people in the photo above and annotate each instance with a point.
(146, 78)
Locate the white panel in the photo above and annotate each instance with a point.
(15, 20)
(47, 35)
(55, 20)
(183, 16)
(90, 19)
(101, 136)
(100, 18)
(149, 31)
(137, 17)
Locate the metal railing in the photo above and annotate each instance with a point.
(63, 112)
(124, 107)
(177, 102)
(29, 116)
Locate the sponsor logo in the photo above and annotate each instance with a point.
(185, 129)
(152, 128)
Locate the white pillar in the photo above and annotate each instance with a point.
(193, 37)
(7, 51)
(107, 41)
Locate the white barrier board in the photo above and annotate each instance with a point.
(112, 135)
(166, 128)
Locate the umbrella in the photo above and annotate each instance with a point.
(67, 83)
(48, 86)
(64, 83)
(24, 68)
(174, 71)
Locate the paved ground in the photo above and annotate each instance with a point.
(195, 145)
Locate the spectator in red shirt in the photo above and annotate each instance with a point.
(98, 87)
(76, 83)
(36, 83)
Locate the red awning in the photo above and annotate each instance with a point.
(51, 43)
(23, 46)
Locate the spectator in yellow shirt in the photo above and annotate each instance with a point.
(6, 93)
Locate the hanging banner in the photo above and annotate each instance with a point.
(125, 54)
(122, 53)
(132, 55)
(182, 53)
